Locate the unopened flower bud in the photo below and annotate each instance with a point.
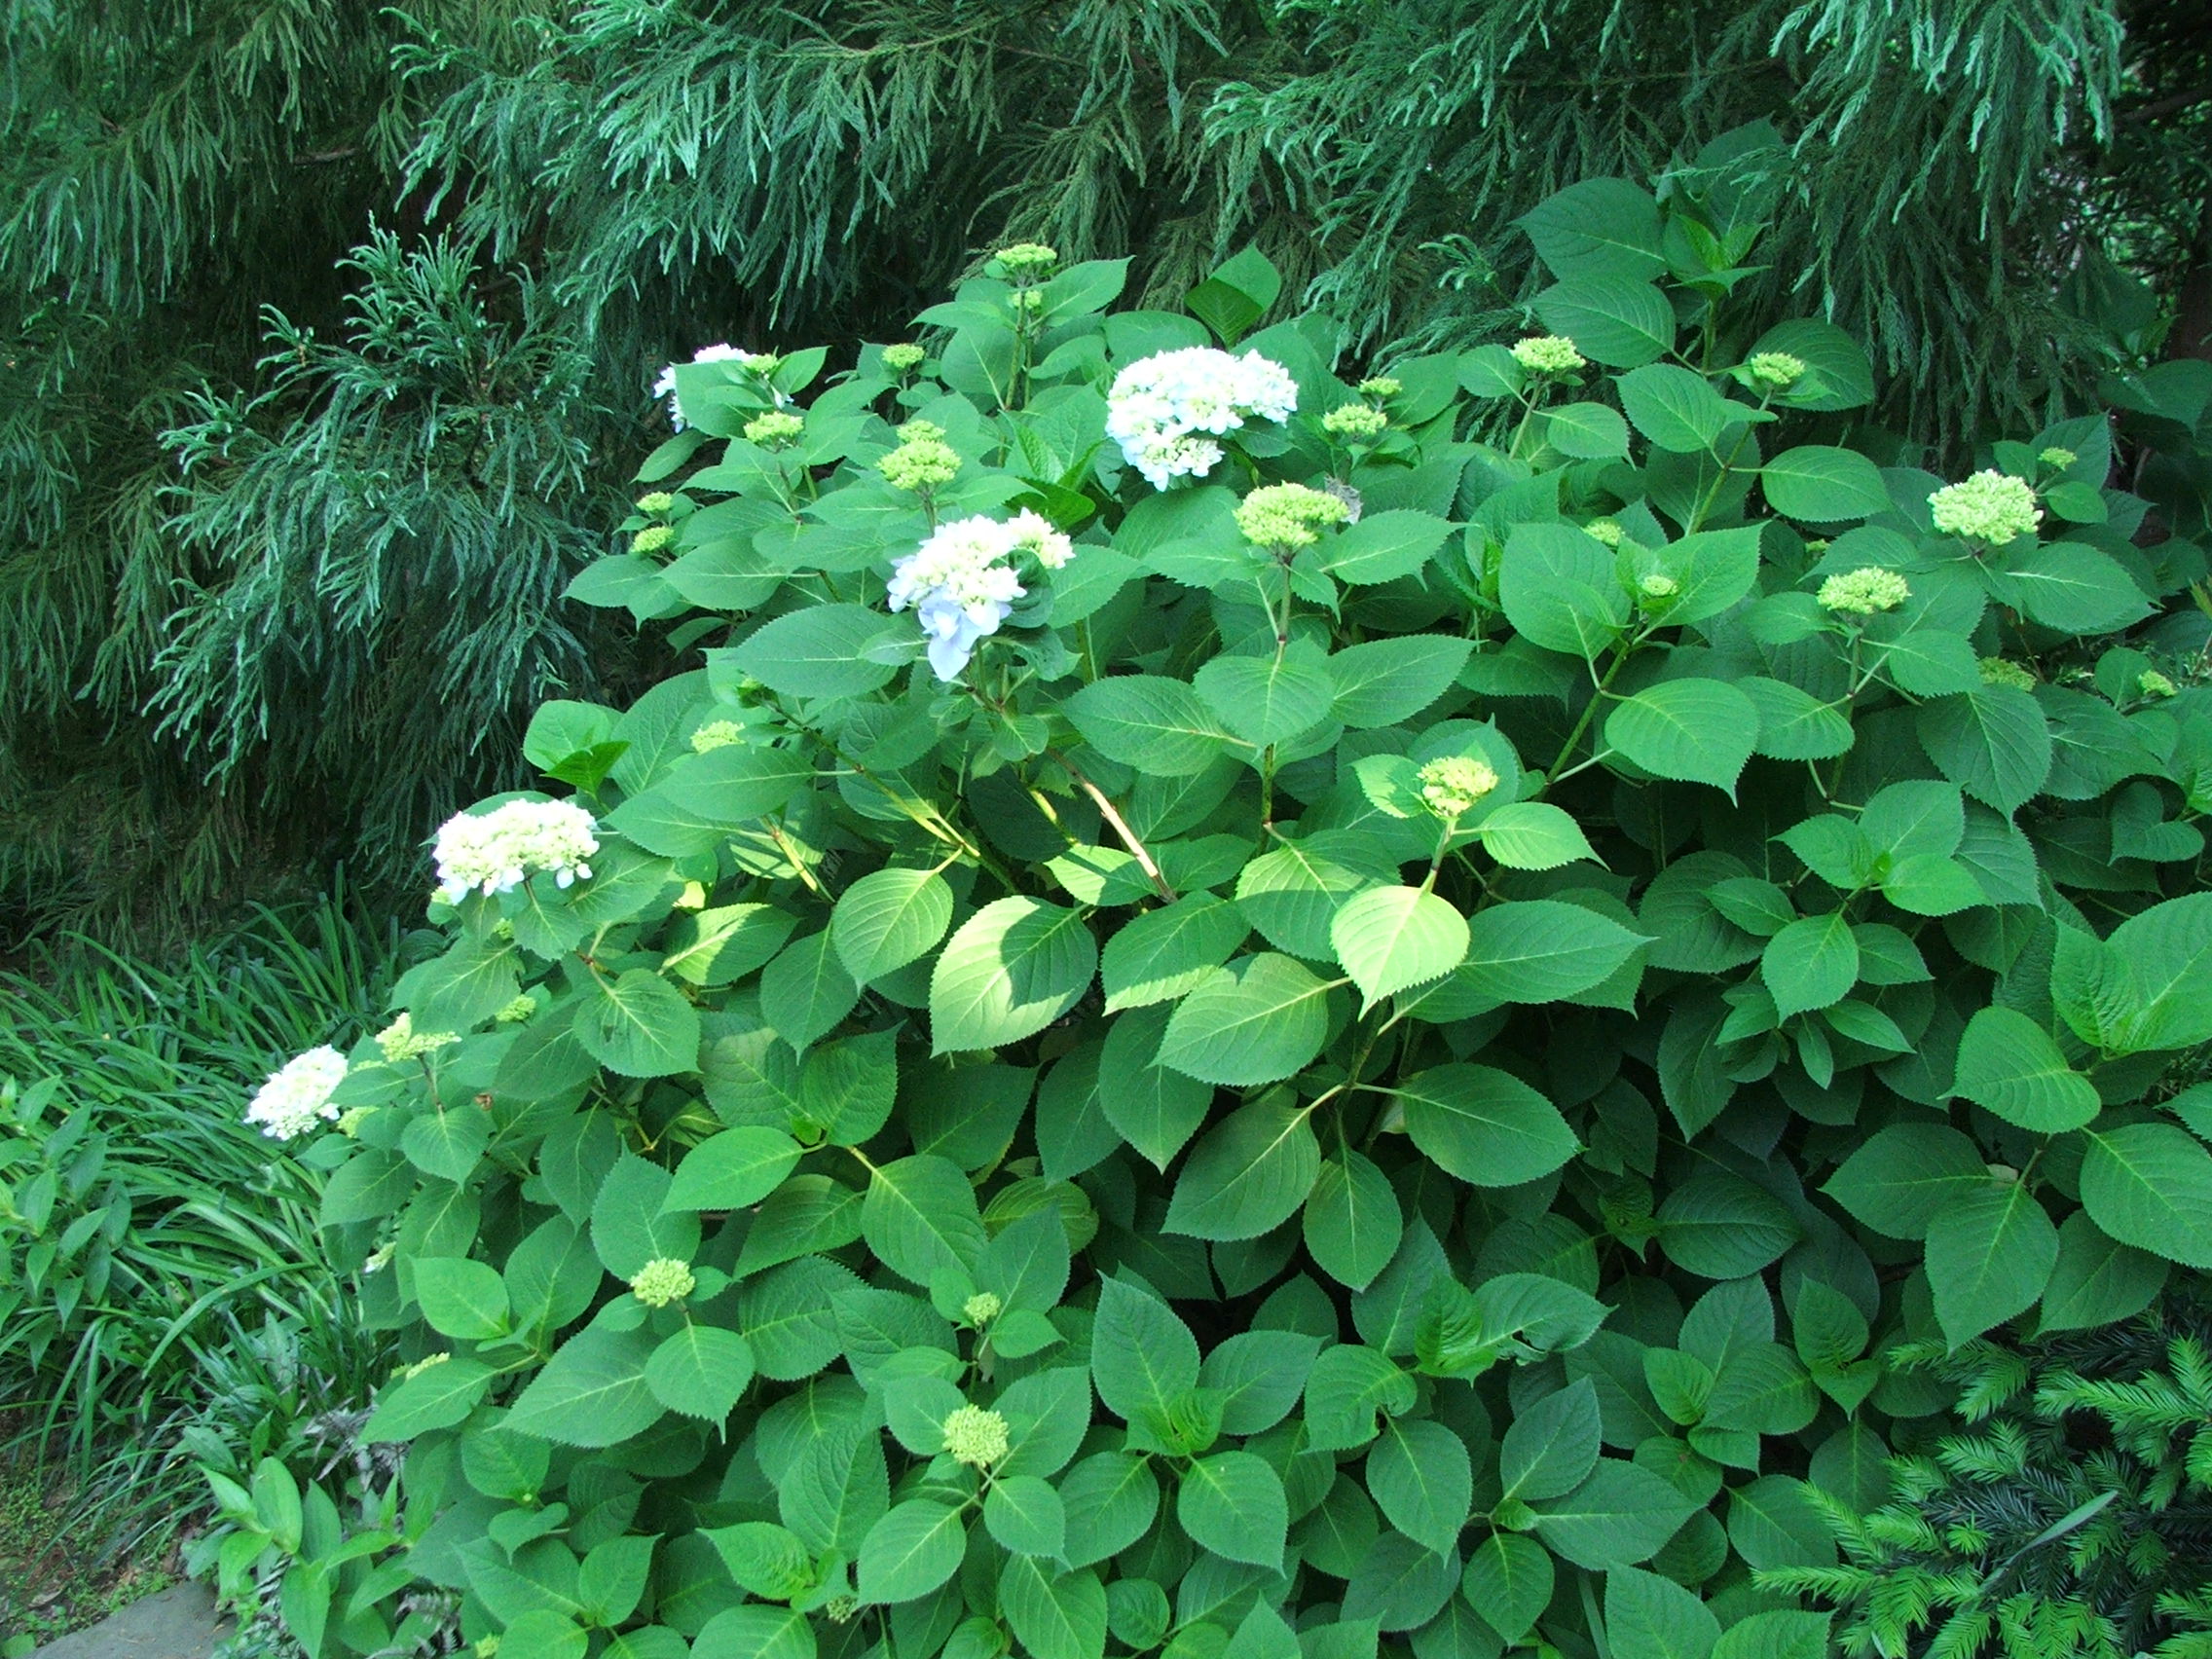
(975, 1437)
(1776, 370)
(1547, 355)
(1356, 422)
(1452, 784)
(717, 734)
(1996, 671)
(661, 1281)
(1606, 530)
(1991, 507)
(1026, 259)
(659, 501)
(1288, 515)
(1381, 386)
(776, 429)
(1864, 592)
(980, 1309)
(652, 538)
(2152, 684)
(903, 359)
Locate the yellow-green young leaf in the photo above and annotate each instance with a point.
(732, 1171)
(1259, 1018)
(1249, 1174)
(1390, 938)
(888, 919)
(1232, 1504)
(1163, 954)
(1013, 968)
(2011, 1065)
(1698, 732)
(1990, 1253)
(2150, 1185)
(1483, 1126)
(912, 1549)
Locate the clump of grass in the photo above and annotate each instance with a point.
(54, 1577)
(162, 1288)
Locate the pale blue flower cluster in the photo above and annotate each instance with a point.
(960, 589)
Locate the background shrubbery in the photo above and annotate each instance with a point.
(253, 616)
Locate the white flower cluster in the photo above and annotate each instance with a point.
(1166, 410)
(491, 852)
(958, 589)
(665, 386)
(297, 1094)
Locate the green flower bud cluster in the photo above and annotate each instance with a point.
(982, 1308)
(1381, 386)
(842, 1609)
(1657, 587)
(1452, 784)
(1776, 370)
(1029, 300)
(923, 459)
(1991, 507)
(1288, 515)
(717, 734)
(1027, 259)
(2058, 459)
(1548, 355)
(1606, 530)
(779, 429)
(351, 1119)
(2152, 684)
(1864, 592)
(903, 359)
(652, 538)
(408, 1373)
(1998, 671)
(400, 1041)
(976, 1437)
(661, 1281)
(1356, 422)
(659, 501)
(519, 1010)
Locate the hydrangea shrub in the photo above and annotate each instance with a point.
(1253, 1014)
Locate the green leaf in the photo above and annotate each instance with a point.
(1614, 320)
(2164, 962)
(819, 652)
(1026, 1515)
(447, 1144)
(1650, 1617)
(1292, 893)
(2076, 589)
(805, 990)
(1166, 952)
(1559, 590)
(1259, 1018)
(1141, 1355)
(1587, 431)
(592, 1392)
(1719, 1226)
(1420, 1476)
(1483, 1126)
(1259, 1376)
(1900, 1181)
(2150, 1185)
(1539, 950)
(1053, 1614)
(1014, 967)
(2011, 1065)
(1622, 1514)
(887, 919)
(1267, 699)
(911, 1548)
(1232, 1504)
(629, 1223)
(639, 1026)
(1383, 547)
(733, 1170)
(1698, 732)
(1990, 1252)
(1508, 1581)
(2096, 1280)
(1352, 1223)
(1795, 724)
(1384, 682)
(1532, 834)
(1248, 1175)
(1679, 410)
(1992, 741)
(1156, 725)
(1599, 227)
(920, 1218)
(1393, 938)
(1110, 1498)
(1781, 1634)
(1820, 484)
(1551, 1447)
(700, 1371)
(434, 1398)
(730, 787)
(462, 1298)
(755, 1632)
(1155, 1109)
(1812, 962)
